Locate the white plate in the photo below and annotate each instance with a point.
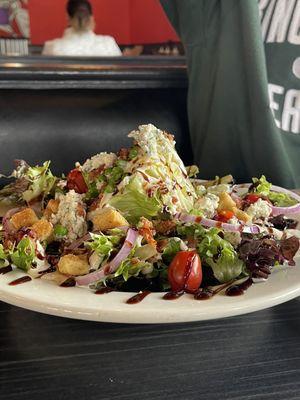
(80, 303)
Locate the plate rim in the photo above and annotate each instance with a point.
(120, 312)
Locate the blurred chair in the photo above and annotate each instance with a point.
(14, 47)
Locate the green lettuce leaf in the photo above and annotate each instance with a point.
(192, 171)
(41, 181)
(281, 199)
(145, 252)
(128, 268)
(23, 255)
(3, 255)
(220, 256)
(92, 192)
(11, 195)
(172, 248)
(134, 203)
(103, 245)
(191, 231)
(263, 187)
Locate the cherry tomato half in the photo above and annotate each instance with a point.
(251, 198)
(185, 272)
(225, 215)
(75, 181)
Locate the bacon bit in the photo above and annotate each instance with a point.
(191, 242)
(96, 172)
(161, 244)
(163, 188)
(8, 243)
(174, 200)
(169, 136)
(129, 244)
(150, 192)
(147, 231)
(80, 211)
(165, 227)
(75, 181)
(95, 203)
(123, 153)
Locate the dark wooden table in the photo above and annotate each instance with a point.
(255, 356)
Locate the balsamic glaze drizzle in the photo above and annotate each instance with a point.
(5, 270)
(21, 280)
(138, 297)
(104, 290)
(238, 290)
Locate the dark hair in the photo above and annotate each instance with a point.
(81, 10)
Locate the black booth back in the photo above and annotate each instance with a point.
(66, 126)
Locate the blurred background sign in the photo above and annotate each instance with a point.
(14, 19)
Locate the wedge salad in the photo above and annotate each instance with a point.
(140, 221)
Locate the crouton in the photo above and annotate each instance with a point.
(226, 202)
(43, 229)
(241, 215)
(52, 208)
(108, 218)
(73, 265)
(24, 218)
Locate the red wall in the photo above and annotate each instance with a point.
(129, 21)
(149, 23)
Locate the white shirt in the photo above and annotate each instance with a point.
(82, 44)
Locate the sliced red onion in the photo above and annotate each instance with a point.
(130, 240)
(210, 223)
(279, 210)
(235, 197)
(12, 212)
(286, 210)
(111, 267)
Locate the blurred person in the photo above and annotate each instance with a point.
(79, 38)
(236, 126)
